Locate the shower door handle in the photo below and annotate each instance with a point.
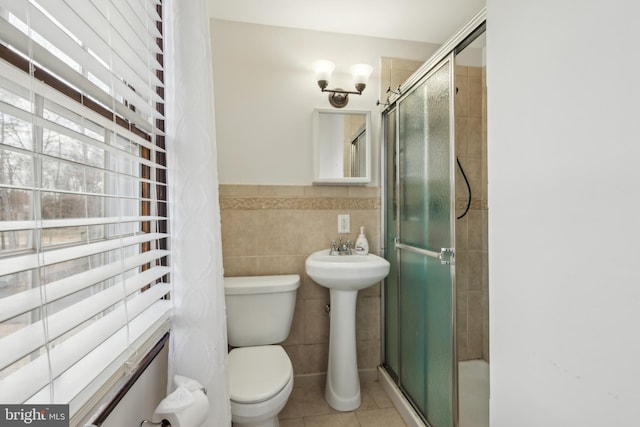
(446, 255)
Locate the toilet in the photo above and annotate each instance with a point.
(259, 315)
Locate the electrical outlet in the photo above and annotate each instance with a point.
(344, 224)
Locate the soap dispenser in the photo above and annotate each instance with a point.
(362, 245)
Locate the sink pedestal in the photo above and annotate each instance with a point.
(344, 275)
(343, 383)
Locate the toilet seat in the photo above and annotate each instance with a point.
(258, 373)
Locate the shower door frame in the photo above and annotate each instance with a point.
(399, 246)
(448, 51)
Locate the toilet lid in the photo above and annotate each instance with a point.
(257, 373)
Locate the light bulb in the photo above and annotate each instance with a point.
(361, 73)
(323, 69)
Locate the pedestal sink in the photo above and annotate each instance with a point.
(344, 275)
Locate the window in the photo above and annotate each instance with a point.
(83, 216)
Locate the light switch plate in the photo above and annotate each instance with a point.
(344, 225)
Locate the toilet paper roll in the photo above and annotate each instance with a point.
(183, 408)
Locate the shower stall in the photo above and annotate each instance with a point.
(435, 211)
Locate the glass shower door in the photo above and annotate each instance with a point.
(427, 367)
(391, 349)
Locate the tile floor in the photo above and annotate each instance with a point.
(307, 408)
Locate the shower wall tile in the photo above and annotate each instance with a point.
(485, 231)
(474, 138)
(475, 273)
(485, 273)
(462, 271)
(474, 85)
(475, 71)
(473, 170)
(385, 76)
(462, 96)
(472, 230)
(408, 65)
(475, 324)
(461, 108)
(485, 226)
(485, 324)
(461, 230)
(394, 72)
(397, 78)
(461, 136)
(271, 229)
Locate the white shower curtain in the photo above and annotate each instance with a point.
(198, 335)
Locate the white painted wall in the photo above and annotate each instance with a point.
(564, 184)
(143, 398)
(265, 93)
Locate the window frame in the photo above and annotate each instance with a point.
(158, 204)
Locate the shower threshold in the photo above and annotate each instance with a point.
(473, 376)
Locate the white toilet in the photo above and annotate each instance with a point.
(259, 315)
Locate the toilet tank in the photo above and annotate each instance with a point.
(260, 308)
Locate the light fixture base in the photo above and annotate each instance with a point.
(338, 100)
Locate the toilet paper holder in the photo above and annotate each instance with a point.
(163, 423)
(166, 423)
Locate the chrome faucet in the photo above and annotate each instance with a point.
(340, 247)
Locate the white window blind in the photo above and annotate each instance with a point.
(84, 274)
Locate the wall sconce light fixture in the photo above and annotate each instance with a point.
(339, 97)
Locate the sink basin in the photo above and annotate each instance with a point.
(346, 272)
(344, 275)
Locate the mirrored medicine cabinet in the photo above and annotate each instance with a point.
(341, 146)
